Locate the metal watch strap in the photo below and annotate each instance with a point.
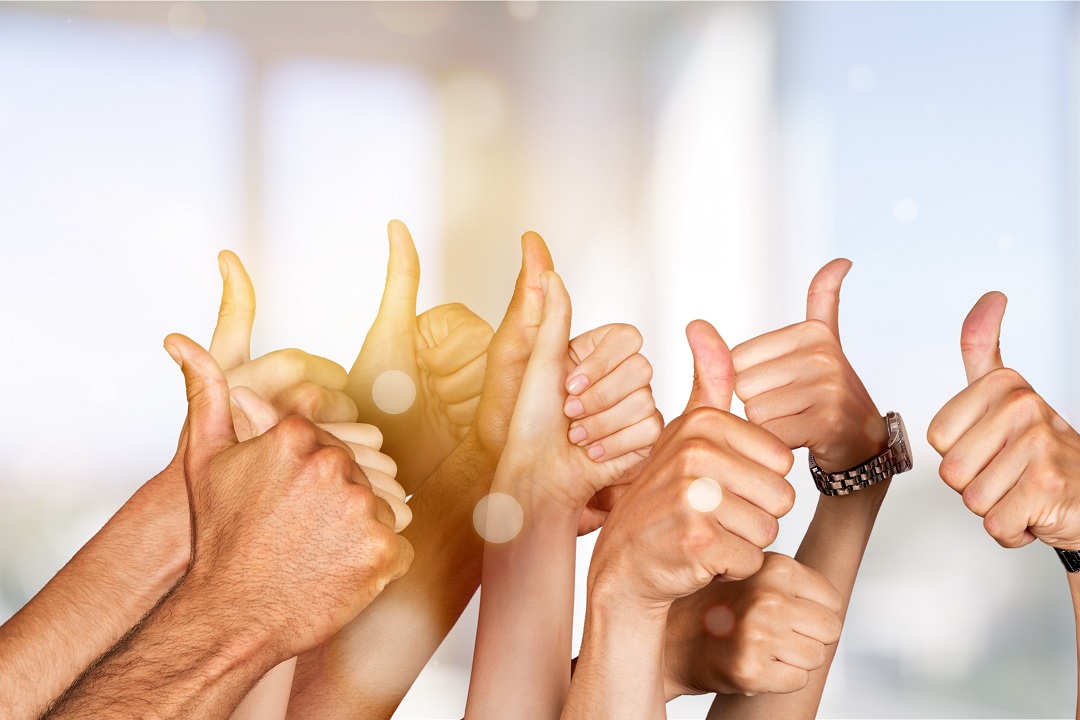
(895, 460)
(1069, 558)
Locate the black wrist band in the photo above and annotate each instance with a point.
(1070, 559)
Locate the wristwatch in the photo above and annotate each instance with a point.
(895, 460)
(1069, 558)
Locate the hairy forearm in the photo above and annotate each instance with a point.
(528, 602)
(619, 673)
(368, 667)
(834, 545)
(105, 589)
(184, 660)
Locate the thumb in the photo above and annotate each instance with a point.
(231, 344)
(402, 276)
(252, 415)
(209, 419)
(981, 334)
(553, 335)
(714, 371)
(526, 305)
(823, 297)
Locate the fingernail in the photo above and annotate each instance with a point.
(544, 283)
(596, 451)
(577, 385)
(574, 408)
(223, 266)
(175, 354)
(577, 434)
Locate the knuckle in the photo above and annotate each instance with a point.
(1038, 439)
(643, 368)
(973, 500)
(295, 433)
(692, 455)
(952, 471)
(331, 461)
(291, 361)
(747, 671)
(1024, 403)
(307, 399)
(935, 434)
(1002, 378)
(755, 411)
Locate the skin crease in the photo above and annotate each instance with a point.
(656, 547)
(836, 419)
(213, 631)
(529, 580)
(368, 667)
(145, 547)
(1012, 458)
(444, 353)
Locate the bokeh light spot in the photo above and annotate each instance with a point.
(861, 79)
(498, 517)
(523, 10)
(187, 20)
(393, 392)
(413, 18)
(719, 620)
(905, 211)
(704, 494)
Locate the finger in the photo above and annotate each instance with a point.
(997, 479)
(600, 351)
(325, 438)
(746, 520)
(748, 479)
(823, 297)
(375, 460)
(815, 621)
(316, 403)
(732, 558)
(632, 409)
(252, 415)
(1008, 521)
(209, 418)
(810, 585)
(783, 678)
(801, 652)
(605, 498)
(465, 383)
(400, 509)
(793, 430)
(969, 406)
(463, 414)
(277, 370)
(770, 374)
(637, 438)
(231, 343)
(465, 343)
(382, 482)
(772, 346)
(976, 448)
(980, 336)
(384, 512)
(631, 375)
(402, 276)
(714, 372)
(354, 432)
(787, 404)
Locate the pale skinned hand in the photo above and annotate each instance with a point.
(1015, 461)
(312, 505)
(764, 634)
(444, 353)
(539, 457)
(655, 546)
(797, 384)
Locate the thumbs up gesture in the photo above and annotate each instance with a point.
(418, 378)
(797, 384)
(705, 504)
(338, 561)
(1015, 461)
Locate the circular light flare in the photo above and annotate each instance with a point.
(861, 79)
(906, 211)
(704, 495)
(393, 392)
(187, 20)
(498, 518)
(719, 620)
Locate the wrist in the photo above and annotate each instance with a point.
(865, 442)
(532, 488)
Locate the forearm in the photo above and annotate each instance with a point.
(368, 667)
(1074, 590)
(184, 660)
(619, 673)
(834, 545)
(104, 590)
(527, 602)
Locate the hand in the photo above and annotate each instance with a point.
(436, 365)
(656, 547)
(294, 382)
(541, 457)
(797, 384)
(311, 504)
(764, 634)
(1015, 461)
